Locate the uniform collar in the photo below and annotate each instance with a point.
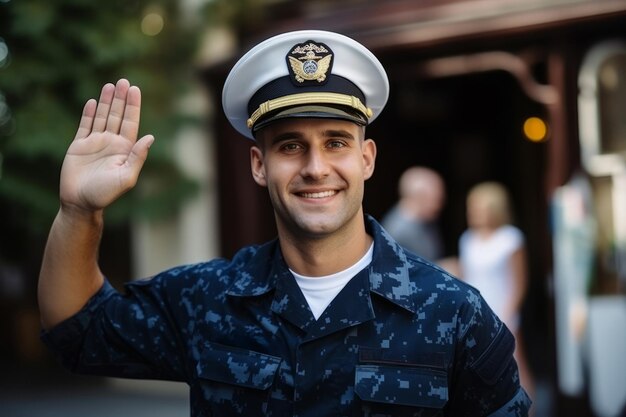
(261, 267)
(389, 271)
(257, 269)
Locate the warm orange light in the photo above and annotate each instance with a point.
(535, 129)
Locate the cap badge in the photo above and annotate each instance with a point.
(309, 61)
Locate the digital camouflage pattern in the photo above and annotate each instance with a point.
(403, 338)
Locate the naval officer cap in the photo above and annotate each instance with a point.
(308, 73)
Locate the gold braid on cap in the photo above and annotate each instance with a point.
(308, 98)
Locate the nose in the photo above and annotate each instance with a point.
(315, 165)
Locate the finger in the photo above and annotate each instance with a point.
(102, 111)
(136, 159)
(139, 152)
(86, 120)
(130, 122)
(116, 112)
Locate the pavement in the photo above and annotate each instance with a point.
(52, 392)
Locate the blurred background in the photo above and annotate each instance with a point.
(529, 93)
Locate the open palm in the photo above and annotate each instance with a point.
(105, 158)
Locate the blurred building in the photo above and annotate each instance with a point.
(529, 93)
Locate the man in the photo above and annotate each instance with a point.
(412, 221)
(331, 319)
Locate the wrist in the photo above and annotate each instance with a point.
(73, 214)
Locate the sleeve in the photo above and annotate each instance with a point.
(513, 238)
(485, 379)
(131, 336)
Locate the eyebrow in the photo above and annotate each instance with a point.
(281, 137)
(295, 135)
(326, 133)
(338, 133)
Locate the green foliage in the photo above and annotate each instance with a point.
(60, 54)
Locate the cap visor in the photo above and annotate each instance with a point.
(312, 111)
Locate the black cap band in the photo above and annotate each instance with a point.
(283, 86)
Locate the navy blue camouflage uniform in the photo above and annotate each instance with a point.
(403, 338)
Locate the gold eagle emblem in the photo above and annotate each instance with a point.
(310, 67)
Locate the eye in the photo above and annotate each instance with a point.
(290, 147)
(336, 144)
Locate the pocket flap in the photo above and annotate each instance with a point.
(237, 366)
(403, 385)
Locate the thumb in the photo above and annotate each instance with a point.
(137, 157)
(139, 152)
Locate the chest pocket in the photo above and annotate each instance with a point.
(235, 380)
(402, 390)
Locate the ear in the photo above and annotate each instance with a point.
(369, 157)
(257, 166)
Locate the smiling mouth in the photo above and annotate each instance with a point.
(322, 194)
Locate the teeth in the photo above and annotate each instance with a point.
(319, 195)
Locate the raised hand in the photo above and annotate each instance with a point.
(105, 157)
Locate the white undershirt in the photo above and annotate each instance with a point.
(320, 291)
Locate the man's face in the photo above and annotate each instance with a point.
(315, 171)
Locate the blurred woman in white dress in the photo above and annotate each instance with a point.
(492, 257)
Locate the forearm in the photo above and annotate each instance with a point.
(70, 274)
(520, 280)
